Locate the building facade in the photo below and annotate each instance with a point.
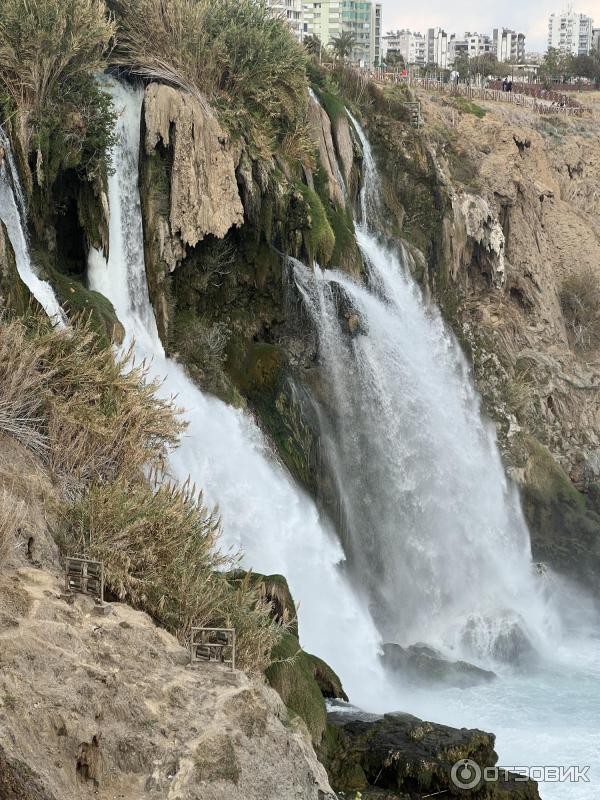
(327, 19)
(437, 47)
(509, 45)
(471, 45)
(376, 55)
(570, 32)
(292, 11)
(596, 39)
(411, 46)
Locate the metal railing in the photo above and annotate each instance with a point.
(539, 105)
(84, 576)
(213, 644)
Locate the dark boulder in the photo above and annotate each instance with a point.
(401, 756)
(421, 665)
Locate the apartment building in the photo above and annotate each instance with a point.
(330, 18)
(509, 45)
(411, 46)
(437, 47)
(292, 11)
(570, 32)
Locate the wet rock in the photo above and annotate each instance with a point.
(422, 665)
(401, 756)
(503, 638)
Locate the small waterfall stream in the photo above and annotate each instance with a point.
(277, 526)
(13, 213)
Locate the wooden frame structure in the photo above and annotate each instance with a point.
(213, 644)
(84, 576)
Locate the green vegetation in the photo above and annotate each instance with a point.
(160, 552)
(49, 51)
(98, 424)
(560, 67)
(79, 303)
(232, 52)
(468, 107)
(93, 417)
(319, 237)
(565, 527)
(298, 678)
(343, 45)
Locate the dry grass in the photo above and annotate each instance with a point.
(580, 303)
(42, 42)
(160, 552)
(12, 515)
(93, 418)
(99, 426)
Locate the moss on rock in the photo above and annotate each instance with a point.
(293, 674)
(78, 301)
(565, 528)
(319, 238)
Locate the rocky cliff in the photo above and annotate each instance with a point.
(108, 705)
(501, 208)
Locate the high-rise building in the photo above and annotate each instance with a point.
(596, 39)
(411, 46)
(292, 11)
(437, 47)
(375, 39)
(570, 32)
(509, 45)
(328, 19)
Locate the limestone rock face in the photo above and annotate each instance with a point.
(109, 707)
(345, 146)
(204, 197)
(320, 127)
(483, 228)
(525, 216)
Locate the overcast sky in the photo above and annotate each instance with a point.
(527, 16)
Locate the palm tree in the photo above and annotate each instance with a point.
(313, 45)
(343, 45)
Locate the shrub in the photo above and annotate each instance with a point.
(160, 554)
(468, 107)
(49, 50)
(580, 303)
(204, 345)
(92, 416)
(232, 51)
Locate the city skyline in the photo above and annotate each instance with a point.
(530, 18)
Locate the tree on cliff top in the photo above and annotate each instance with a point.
(343, 45)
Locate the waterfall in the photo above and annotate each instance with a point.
(13, 213)
(275, 524)
(433, 531)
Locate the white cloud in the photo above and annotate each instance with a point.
(528, 16)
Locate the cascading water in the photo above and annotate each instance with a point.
(13, 213)
(432, 528)
(275, 524)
